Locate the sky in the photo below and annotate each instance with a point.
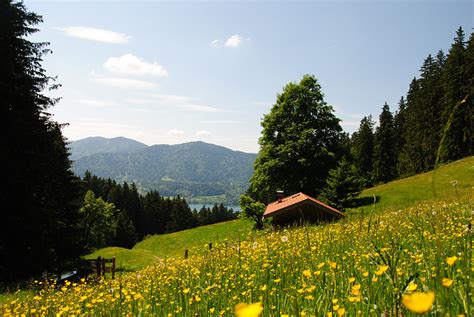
(168, 72)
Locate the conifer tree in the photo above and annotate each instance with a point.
(363, 149)
(458, 141)
(342, 186)
(384, 153)
(40, 228)
(399, 127)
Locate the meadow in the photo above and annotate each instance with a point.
(403, 259)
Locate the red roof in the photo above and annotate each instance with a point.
(296, 199)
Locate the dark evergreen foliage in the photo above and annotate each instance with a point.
(434, 123)
(456, 80)
(40, 208)
(342, 186)
(363, 149)
(142, 215)
(384, 148)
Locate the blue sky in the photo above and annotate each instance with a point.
(172, 72)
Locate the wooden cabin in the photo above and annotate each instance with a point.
(299, 208)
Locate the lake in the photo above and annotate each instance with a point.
(199, 206)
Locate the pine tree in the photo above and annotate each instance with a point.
(458, 141)
(40, 228)
(399, 127)
(363, 149)
(342, 186)
(384, 153)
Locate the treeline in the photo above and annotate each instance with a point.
(127, 216)
(434, 121)
(303, 147)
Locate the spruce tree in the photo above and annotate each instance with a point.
(399, 127)
(384, 152)
(363, 149)
(40, 228)
(342, 186)
(458, 141)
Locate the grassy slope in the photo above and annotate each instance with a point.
(405, 192)
(394, 195)
(158, 247)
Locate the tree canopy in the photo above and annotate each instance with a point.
(39, 229)
(300, 142)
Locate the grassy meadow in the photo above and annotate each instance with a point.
(392, 258)
(157, 248)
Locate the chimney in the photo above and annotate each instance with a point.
(280, 195)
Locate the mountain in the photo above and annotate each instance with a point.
(97, 144)
(189, 169)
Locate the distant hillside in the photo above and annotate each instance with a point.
(94, 145)
(189, 169)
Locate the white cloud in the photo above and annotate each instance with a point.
(234, 41)
(94, 34)
(96, 103)
(183, 103)
(203, 133)
(170, 99)
(130, 64)
(221, 121)
(175, 132)
(215, 43)
(124, 83)
(198, 108)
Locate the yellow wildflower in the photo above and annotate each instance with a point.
(446, 282)
(341, 311)
(412, 286)
(306, 273)
(451, 260)
(419, 302)
(382, 269)
(248, 310)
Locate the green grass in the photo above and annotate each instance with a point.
(126, 259)
(155, 248)
(391, 196)
(396, 263)
(422, 187)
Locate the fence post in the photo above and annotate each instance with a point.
(113, 267)
(186, 253)
(103, 267)
(99, 265)
(210, 246)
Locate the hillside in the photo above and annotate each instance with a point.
(396, 263)
(391, 196)
(190, 169)
(93, 145)
(367, 265)
(449, 182)
(172, 245)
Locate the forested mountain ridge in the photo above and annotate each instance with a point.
(97, 144)
(190, 169)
